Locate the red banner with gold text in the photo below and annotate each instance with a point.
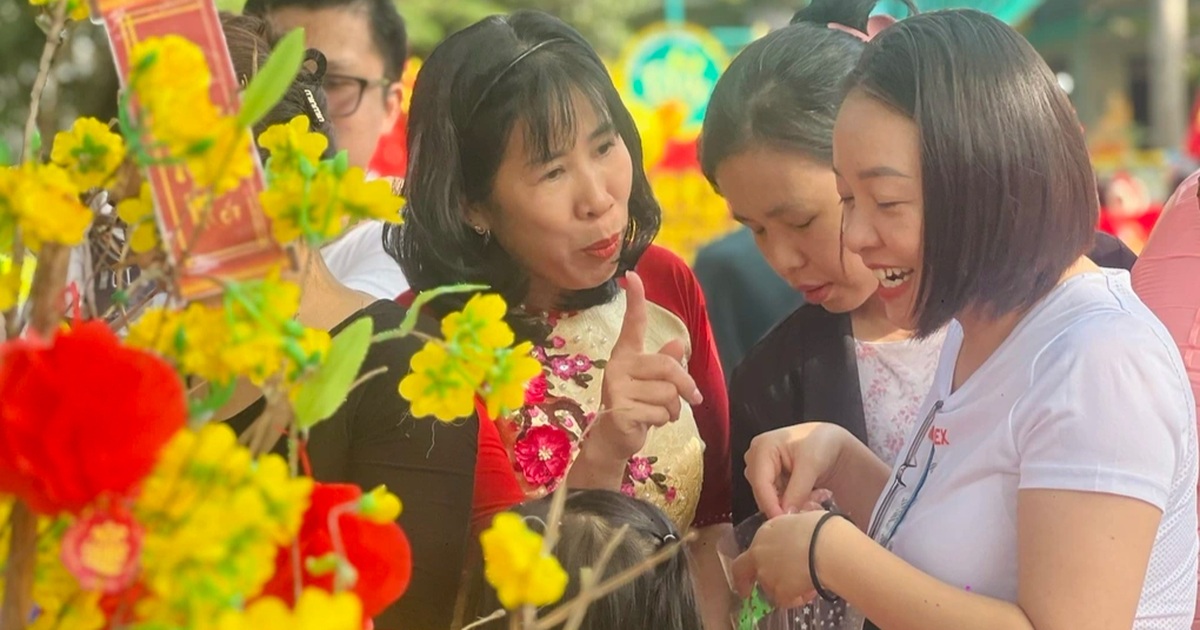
(229, 239)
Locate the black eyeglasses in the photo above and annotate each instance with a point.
(344, 93)
(910, 461)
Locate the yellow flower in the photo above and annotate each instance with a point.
(288, 142)
(362, 199)
(226, 159)
(315, 610)
(480, 322)
(504, 390)
(380, 506)
(10, 287)
(437, 386)
(47, 207)
(138, 214)
(215, 520)
(76, 9)
(90, 152)
(296, 211)
(167, 68)
(516, 565)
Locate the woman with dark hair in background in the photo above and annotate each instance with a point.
(767, 147)
(525, 175)
(1052, 482)
(659, 599)
(372, 439)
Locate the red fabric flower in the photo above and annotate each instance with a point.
(82, 417)
(535, 391)
(102, 551)
(543, 454)
(379, 552)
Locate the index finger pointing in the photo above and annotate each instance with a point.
(632, 338)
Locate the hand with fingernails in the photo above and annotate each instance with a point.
(639, 391)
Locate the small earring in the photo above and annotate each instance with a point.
(484, 232)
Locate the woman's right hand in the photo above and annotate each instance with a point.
(785, 466)
(639, 390)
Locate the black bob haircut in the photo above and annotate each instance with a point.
(388, 33)
(465, 105)
(1009, 192)
(783, 91)
(662, 598)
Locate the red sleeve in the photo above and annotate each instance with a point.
(672, 285)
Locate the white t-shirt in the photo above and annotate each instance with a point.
(1088, 394)
(358, 260)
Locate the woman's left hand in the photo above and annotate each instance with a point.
(777, 561)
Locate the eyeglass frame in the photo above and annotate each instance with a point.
(363, 84)
(898, 480)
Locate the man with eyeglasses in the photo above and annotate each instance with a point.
(365, 45)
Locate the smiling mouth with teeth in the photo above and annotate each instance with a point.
(893, 277)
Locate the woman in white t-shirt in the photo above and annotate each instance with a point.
(1052, 481)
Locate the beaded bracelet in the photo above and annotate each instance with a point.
(812, 557)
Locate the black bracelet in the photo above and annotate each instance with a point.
(812, 557)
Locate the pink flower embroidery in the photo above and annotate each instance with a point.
(562, 367)
(543, 454)
(671, 494)
(627, 489)
(582, 363)
(640, 469)
(557, 342)
(535, 391)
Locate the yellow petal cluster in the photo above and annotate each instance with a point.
(138, 214)
(215, 519)
(252, 335)
(516, 565)
(90, 153)
(76, 9)
(43, 202)
(307, 197)
(315, 610)
(171, 81)
(474, 357)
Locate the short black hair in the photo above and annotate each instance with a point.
(783, 90)
(471, 92)
(662, 598)
(1009, 192)
(388, 33)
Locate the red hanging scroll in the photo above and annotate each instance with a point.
(231, 239)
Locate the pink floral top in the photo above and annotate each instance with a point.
(544, 437)
(895, 377)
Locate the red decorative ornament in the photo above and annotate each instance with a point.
(102, 551)
(379, 552)
(82, 417)
(543, 454)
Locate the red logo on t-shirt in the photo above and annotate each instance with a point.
(939, 437)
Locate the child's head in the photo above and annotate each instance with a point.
(660, 599)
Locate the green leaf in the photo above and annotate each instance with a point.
(36, 145)
(414, 313)
(201, 411)
(5, 155)
(325, 391)
(273, 78)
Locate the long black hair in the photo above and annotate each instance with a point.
(783, 91)
(1009, 192)
(469, 96)
(660, 599)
